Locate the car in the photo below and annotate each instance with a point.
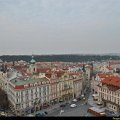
(109, 113)
(68, 103)
(46, 112)
(2, 109)
(62, 111)
(30, 115)
(40, 114)
(2, 114)
(73, 105)
(84, 98)
(82, 95)
(74, 100)
(62, 105)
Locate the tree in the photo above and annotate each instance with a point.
(4, 103)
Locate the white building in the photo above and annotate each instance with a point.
(27, 94)
(109, 93)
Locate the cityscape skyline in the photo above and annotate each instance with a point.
(59, 27)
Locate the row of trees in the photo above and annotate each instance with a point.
(64, 58)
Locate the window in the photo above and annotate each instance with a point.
(32, 103)
(21, 99)
(36, 95)
(27, 98)
(47, 90)
(17, 100)
(36, 89)
(27, 104)
(44, 90)
(39, 83)
(26, 92)
(31, 97)
(17, 94)
(39, 89)
(31, 91)
(21, 93)
(21, 105)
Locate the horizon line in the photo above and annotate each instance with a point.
(61, 54)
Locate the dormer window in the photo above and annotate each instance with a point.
(31, 85)
(35, 84)
(39, 83)
(25, 86)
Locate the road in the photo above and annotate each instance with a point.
(80, 110)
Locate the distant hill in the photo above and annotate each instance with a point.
(64, 58)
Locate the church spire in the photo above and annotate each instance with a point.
(32, 60)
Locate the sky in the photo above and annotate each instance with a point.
(59, 27)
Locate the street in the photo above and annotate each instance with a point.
(80, 110)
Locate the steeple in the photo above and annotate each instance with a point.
(32, 60)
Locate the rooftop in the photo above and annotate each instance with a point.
(113, 80)
(24, 81)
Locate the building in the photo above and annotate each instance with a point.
(28, 95)
(109, 93)
(33, 87)
(96, 80)
(3, 81)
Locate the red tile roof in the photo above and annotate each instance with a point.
(29, 74)
(48, 74)
(114, 62)
(43, 70)
(58, 73)
(113, 80)
(104, 75)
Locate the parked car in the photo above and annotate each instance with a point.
(3, 114)
(84, 98)
(109, 113)
(30, 115)
(82, 95)
(67, 103)
(62, 105)
(46, 112)
(61, 111)
(73, 105)
(74, 100)
(40, 114)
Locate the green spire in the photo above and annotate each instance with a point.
(32, 60)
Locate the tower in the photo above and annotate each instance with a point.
(32, 67)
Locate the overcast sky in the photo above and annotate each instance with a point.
(59, 26)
